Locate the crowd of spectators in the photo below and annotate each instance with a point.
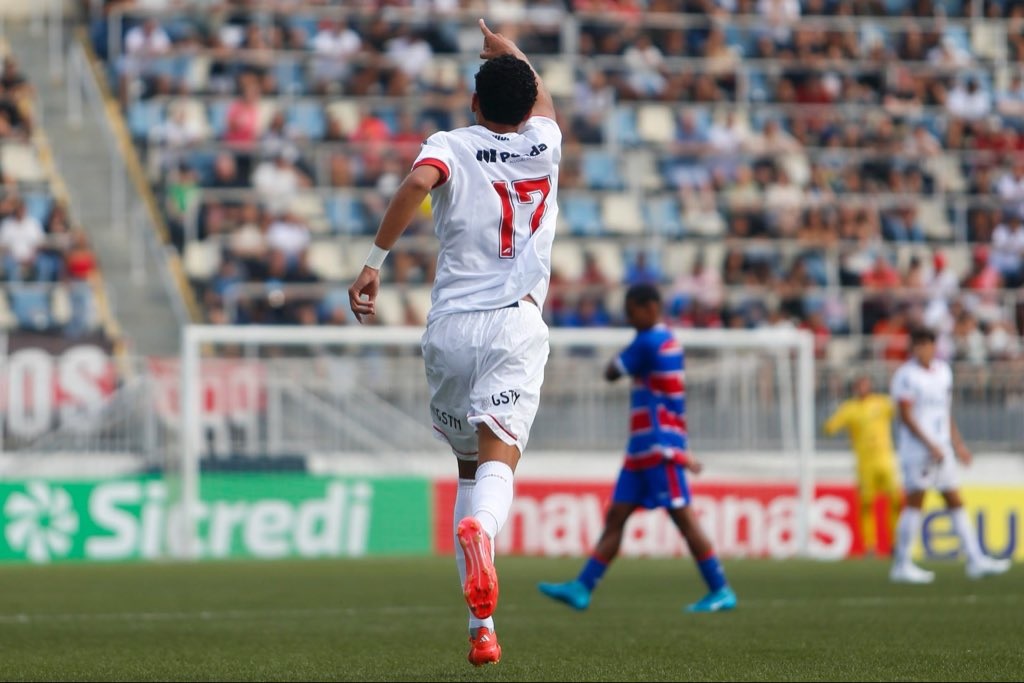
(813, 144)
(40, 247)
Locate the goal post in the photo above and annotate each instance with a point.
(335, 394)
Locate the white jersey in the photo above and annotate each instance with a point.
(930, 391)
(494, 211)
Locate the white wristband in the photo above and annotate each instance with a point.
(375, 259)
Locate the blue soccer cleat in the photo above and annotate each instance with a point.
(718, 601)
(572, 593)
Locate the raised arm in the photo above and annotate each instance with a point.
(362, 295)
(496, 45)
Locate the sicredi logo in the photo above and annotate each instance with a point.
(134, 519)
(40, 522)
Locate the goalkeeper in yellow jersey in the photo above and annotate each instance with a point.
(867, 416)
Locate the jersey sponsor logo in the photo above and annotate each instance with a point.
(493, 156)
(447, 419)
(506, 397)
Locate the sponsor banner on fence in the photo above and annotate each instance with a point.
(240, 516)
(996, 511)
(50, 382)
(743, 519)
(565, 518)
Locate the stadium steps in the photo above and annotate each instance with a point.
(81, 155)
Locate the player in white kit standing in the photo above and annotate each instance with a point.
(929, 446)
(492, 188)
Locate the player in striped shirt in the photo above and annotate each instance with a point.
(654, 472)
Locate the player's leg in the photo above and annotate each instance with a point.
(577, 593)
(908, 528)
(866, 494)
(720, 596)
(509, 349)
(918, 476)
(448, 376)
(979, 564)
(893, 501)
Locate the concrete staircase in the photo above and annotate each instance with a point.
(142, 300)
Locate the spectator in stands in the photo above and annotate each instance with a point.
(1003, 341)
(336, 45)
(243, 116)
(226, 175)
(279, 180)
(589, 312)
(969, 343)
(944, 282)
(593, 279)
(967, 100)
(289, 235)
(408, 55)
(1011, 186)
(815, 324)
(983, 283)
(176, 133)
(645, 74)
(80, 267)
(50, 260)
(892, 335)
(700, 283)
(1010, 102)
(642, 271)
(21, 237)
(141, 69)
(593, 98)
(15, 124)
(1008, 249)
(688, 167)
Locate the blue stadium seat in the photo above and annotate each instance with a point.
(663, 216)
(218, 117)
(290, 75)
(307, 23)
(38, 205)
(309, 118)
(624, 124)
(582, 213)
(143, 116)
(601, 170)
(31, 307)
(346, 215)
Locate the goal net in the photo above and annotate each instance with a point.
(287, 405)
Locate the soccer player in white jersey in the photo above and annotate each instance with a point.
(492, 188)
(929, 445)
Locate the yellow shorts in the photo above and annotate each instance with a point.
(875, 479)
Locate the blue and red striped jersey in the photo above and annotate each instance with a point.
(657, 419)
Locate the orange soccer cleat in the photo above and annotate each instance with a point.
(481, 587)
(485, 648)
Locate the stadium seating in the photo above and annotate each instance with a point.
(801, 147)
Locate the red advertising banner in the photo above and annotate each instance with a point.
(229, 387)
(743, 519)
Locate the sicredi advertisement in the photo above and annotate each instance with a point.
(240, 516)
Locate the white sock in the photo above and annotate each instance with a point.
(464, 508)
(492, 496)
(907, 529)
(968, 539)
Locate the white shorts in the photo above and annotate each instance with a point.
(485, 367)
(921, 473)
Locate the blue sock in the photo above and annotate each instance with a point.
(592, 572)
(711, 570)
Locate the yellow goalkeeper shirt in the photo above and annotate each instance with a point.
(869, 423)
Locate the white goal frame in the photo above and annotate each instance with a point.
(194, 337)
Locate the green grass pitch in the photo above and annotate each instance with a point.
(403, 619)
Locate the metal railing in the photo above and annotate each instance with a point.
(132, 217)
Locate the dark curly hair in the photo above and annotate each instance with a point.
(506, 89)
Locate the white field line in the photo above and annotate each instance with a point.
(408, 610)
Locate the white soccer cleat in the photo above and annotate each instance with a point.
(910, 573)
(987, 566)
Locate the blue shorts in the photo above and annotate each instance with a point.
(661, 485)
